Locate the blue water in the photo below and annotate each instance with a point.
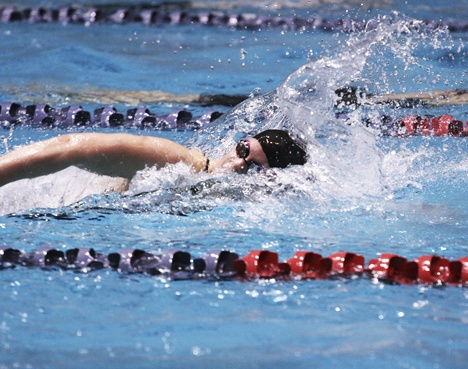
(360, 192)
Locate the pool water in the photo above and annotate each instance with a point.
(360, 192)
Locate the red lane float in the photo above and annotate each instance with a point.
(444, 125)
(261, 263)
(427, 269)
(310, 265)
(347, 263)
(388, 267)
(393, 268)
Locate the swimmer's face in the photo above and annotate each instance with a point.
(240, 158)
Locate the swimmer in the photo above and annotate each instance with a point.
(122, 155)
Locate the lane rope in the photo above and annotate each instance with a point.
(225, 264)
(44, 116)
(159, 16)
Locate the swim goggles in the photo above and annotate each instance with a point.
(243, 150)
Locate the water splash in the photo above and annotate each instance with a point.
(347, 166)
(344, 158)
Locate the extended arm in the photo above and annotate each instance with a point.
(116, 155)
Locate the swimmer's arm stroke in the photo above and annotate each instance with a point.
(115, 155)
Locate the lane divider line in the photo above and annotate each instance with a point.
(257, 264)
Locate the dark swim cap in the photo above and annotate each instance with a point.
(280, 149)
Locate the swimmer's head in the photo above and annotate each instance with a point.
(268, 149)
(280, 149)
